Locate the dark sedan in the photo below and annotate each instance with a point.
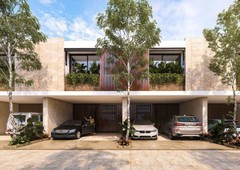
(72, 129)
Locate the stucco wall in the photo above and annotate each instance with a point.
(4, 113)
(55, 112)
(51, 76)
(197, 107)
(197, 59)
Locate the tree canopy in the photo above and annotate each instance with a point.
(224, 41)
(129, 32)
(19, 33)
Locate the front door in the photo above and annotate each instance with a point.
(107, 118)
(143, 111)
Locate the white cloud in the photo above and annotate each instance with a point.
(185, 18)
(177, 19)
(47, 2)
(54, 26)
(75, 29)
(80, 30)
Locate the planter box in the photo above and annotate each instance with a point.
(3, 89)
(84, 87)
(24, 144)
(167, 87)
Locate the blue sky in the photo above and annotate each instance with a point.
(75, 19)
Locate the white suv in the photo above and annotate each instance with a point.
(19, 119)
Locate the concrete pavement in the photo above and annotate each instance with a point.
(102, 152)
(120, 159)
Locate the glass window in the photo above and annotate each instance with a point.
(86, 63)
(20, 118)
(35, 118)
(187, 119)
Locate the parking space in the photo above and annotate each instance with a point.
(109, 142)
(101, 151)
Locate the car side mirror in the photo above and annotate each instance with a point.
(153, 124)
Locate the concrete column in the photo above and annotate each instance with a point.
(198, 108)
(55, 112)
(4, 113)
(124, 109)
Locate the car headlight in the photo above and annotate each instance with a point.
(72, 130)
(155, 130)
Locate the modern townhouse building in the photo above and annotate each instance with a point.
(199, 93)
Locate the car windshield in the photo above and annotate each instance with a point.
(142, 122)
(20, 118)
(73, 122)
(187, 119)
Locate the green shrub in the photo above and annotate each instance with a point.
(28, 133)
(223, 133)
(165, 78)
(164, 67)
(95, 67)
(123, 129)
(81, 79)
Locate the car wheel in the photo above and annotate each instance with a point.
(170, 135)
(78, 134)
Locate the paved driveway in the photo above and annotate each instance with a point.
(104, 153)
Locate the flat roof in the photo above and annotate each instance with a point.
(91, 44)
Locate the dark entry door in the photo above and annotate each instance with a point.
(143, 111)
(107, 118)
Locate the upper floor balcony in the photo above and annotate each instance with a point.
(85, 70)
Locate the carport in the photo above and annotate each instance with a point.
(58, 106)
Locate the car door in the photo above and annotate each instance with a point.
(85, 127)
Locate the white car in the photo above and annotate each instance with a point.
(144, 129)
(19, 119)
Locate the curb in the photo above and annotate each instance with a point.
(24, 144)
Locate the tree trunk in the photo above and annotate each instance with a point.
(10, 83)
(235, 107)
(10, 89)
(128, 102)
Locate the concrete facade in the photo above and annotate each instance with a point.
(58, 108)
(51, 76)
(55, 112)
(197, 75)
(197, 107)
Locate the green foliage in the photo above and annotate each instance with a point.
(129, 32)
(94, 69)
(79, 68)
(82, 78)
(28, 133)
(165, 68)
(123, 128)
(165, 78)
(217, 132)
(224, 41)
(223, 133)
(20, 32)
